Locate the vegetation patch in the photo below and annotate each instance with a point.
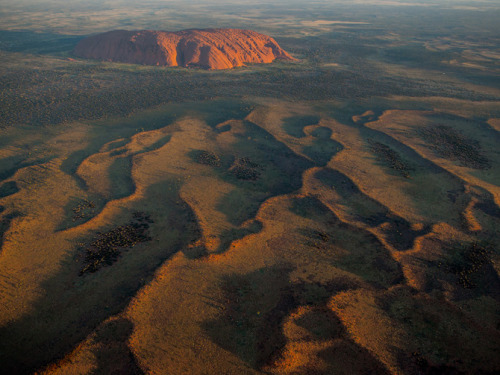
(245, 169)
(79, 210)
(468, 262)
(107, 247)
(388, 156)
(85, 209)
(450, 144)
(206, 158)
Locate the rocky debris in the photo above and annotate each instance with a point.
(204, 48)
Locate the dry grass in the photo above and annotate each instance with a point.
(264, 256)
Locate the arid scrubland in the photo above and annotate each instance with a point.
(337, 214)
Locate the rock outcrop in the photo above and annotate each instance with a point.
(208, 48)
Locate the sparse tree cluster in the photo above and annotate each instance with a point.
(450, 144)
(107, 247)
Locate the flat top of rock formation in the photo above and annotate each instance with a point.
(205, 48)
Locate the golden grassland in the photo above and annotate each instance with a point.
(267, 258)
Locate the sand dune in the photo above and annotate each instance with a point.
(277, 242)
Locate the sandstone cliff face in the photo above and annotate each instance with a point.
(209, 48)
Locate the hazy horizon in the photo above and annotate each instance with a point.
(80, 17)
